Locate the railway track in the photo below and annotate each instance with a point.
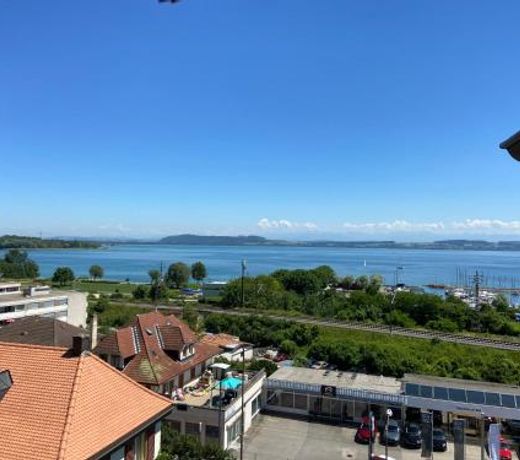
(367, 327)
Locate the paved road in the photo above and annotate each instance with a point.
(369, 327)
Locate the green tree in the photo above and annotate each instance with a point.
(63, 276)
(288, 347)
(178, 275)
(263, 364)
(96, 271)
(16, 264)
(158, 291)
(191, 316)
(140, 292)
(175, 446)
(198, 271)
(155, 275)
(99, 306)
(326, 275)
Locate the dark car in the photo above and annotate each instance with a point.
(440, 442)
(411, 437)
(394, 434)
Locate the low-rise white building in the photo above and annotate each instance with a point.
(216, 416)
(16, 303)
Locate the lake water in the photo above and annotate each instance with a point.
(419, 267)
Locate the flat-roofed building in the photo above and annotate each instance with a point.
(17, 302)
(341, 396)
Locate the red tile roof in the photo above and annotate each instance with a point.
(222, 340)
(68, 408)
(147, 343)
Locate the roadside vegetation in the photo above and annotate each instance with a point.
(370, 352)
(315, 293)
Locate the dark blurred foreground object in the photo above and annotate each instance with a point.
(512, 145)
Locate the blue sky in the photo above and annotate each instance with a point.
(305, 119)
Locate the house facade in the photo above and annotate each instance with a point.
(160, 352)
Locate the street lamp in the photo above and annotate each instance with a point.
(389, 413)
(512, 145)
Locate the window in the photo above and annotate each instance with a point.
(440, 393)
(212, 433)
(456, 394)
(300, 402)
(475, 397)
(192, 429)
(508, 401)
(412, 389)
(272, 398)
(287, 399)
(255, 405)
(426, 391)
(233, 430)
(492, 399)
(174, 425)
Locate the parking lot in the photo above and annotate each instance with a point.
(280, 438)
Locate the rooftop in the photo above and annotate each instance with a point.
(460, 383)
(39, 330)
(69, 407)
(148, 344)
(339, 379)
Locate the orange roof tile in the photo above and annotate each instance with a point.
(68, 408)
(221, 340)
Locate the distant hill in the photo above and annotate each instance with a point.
(253, 240)
(29, 242)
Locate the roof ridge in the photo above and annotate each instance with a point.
(32, 346)
(145, 346)
(70, 409)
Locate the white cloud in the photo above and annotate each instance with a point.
(284, 224)
(395, 226)
(481, 226)
(488, 224)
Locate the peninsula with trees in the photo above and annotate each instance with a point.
(254, 240)
(30, 242)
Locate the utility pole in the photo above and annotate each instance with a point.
(477, 280)
(242, 417)
(242, 300)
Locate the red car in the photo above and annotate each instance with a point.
(363, 432)
(505, 450)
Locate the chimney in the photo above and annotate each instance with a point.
(93, 331)
(80, 343)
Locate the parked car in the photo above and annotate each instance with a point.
(363, 433)
(440, 441)
(393, 438)
(319, 365)
(411, 437)
(506, 450)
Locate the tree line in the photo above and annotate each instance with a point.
(315, 292)
(371, 353)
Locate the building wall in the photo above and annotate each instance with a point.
(77, 312)
(139, 445)
(205, 423)
(55, 306)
